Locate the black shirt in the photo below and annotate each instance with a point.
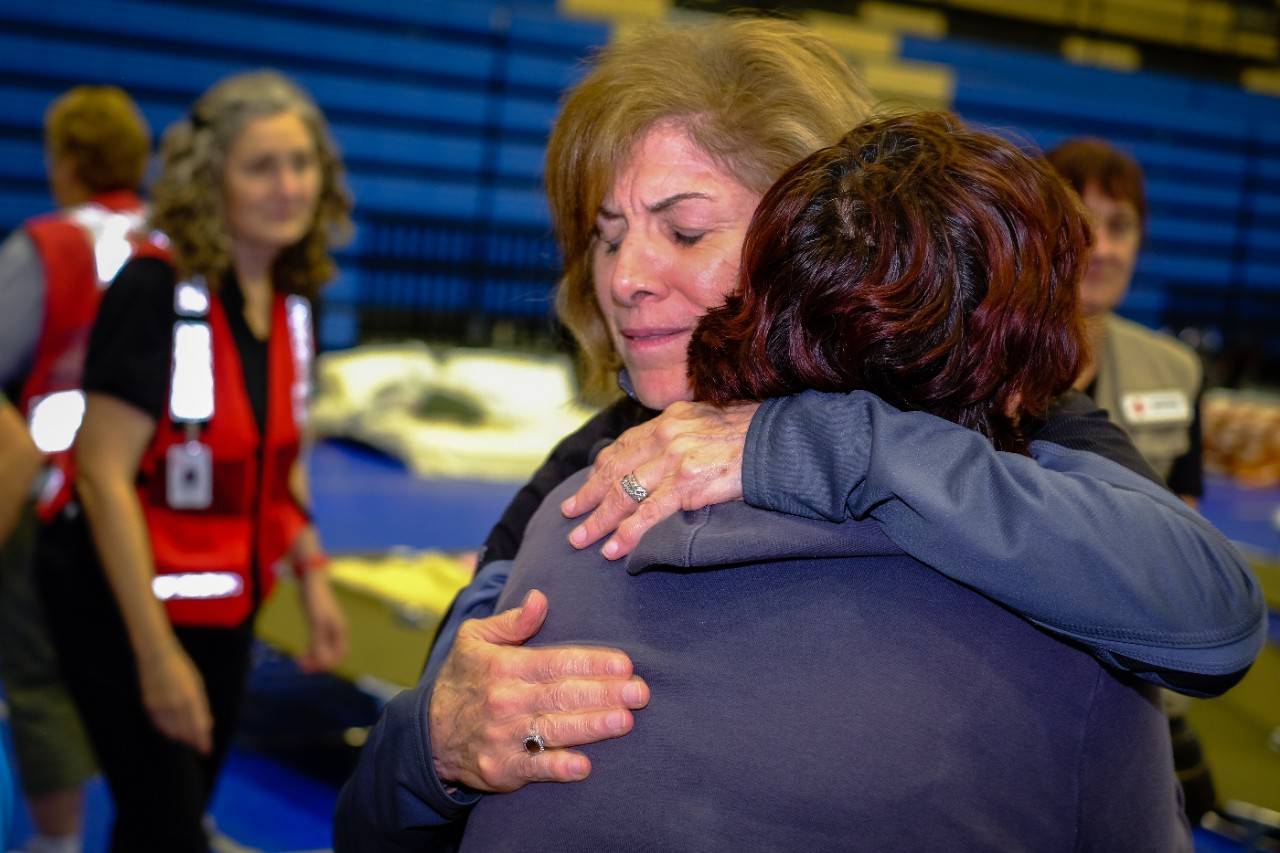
(572, 454)
(130, 349)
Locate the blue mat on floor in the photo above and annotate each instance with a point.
(261, 803)
(365, 500)
(1244, 515)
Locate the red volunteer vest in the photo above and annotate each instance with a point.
(80, 251)
(215, 564)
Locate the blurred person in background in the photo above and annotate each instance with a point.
(19, 461)
(52, 275)
(1148, 382)
(652, 188)
(189, 486)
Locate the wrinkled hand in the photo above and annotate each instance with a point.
(173, 694)
(491, 691)
(328, 627)
(688, 457)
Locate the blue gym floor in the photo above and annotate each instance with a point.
(366, 501)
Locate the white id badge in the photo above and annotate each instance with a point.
(1157, 407)
(189, 476)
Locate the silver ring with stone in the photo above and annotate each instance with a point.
(533, 742)
(634, 490)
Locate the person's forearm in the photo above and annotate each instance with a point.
(120, 535)
(19, 463)
(305, 551)
(1080, 545)
(300, 480)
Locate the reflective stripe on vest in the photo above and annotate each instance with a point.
(298, 311)
(54, 420)
(197, 585)
(109, 232)
(191, 385)
(191, 298)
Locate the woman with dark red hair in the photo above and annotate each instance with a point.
(813, 685)
(926, 263)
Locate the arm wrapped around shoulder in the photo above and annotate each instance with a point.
(1079, 544)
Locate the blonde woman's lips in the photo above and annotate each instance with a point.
(642, 338)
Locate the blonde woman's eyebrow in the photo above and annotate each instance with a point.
(657, 206)
(671, 201)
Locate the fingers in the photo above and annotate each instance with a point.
(315, 658)
(556, 663)
(189, 723)
(629, 531)
(325, 652)
(565, 730)
(173, 694)
(687, 457)
(338, 643)
(590, 493)
(510, 627)
(203, 726)
(488, 696)
(628, 451)
(582, 695)
(195, 724)
(616, 506)
(559, 732)
(554, 765)
(330, 642)
(557, 763)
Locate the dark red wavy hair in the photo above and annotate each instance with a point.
(931, 264)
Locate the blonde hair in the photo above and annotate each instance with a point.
(757, 95)
(100, 131)
(187, 201)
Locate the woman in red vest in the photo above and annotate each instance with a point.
(187, 461)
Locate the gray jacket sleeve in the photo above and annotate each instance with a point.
(1080, 545)
(21, 305)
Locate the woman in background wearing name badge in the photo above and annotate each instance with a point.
(1149, 382)
(189, 490)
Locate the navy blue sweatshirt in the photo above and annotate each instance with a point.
(814, 688)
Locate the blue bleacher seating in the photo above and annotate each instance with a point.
(442, 110)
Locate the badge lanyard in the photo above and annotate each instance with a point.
(189, 465)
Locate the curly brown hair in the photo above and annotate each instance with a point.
(928, 263)
(99, 130)
(187, 201)
(755, 94)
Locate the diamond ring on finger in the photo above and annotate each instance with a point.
(632, 487)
